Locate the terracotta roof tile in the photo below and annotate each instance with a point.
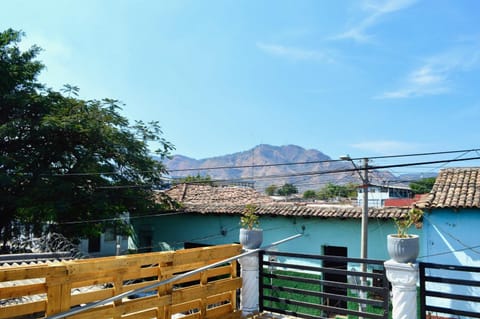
(202, 199)
(205, 199)
(206, 194)
(454, 188)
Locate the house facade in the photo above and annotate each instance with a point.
(108, 243)
(379, 194)
(452, 218)
(211, 215)
(451, 227)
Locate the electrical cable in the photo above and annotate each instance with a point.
(278, 164)
(318, 173)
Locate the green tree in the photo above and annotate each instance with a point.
(309, 194)
(422, 186)
(331, 191)
(287, 190)
(201, 179)
(271, 190)
(64, 160)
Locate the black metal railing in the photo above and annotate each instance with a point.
(312, 286)
(449, 290)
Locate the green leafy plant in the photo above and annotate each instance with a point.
(249, 219)
(413, 217)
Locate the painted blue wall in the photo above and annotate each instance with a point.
(452, 237)
(171, 231)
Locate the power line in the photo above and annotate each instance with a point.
(321, 161)
(274, 164)
(318, 173)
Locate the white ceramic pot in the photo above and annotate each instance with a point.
(403, 250)
(251, 238)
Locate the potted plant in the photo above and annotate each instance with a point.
(251, 236)
(403, 247)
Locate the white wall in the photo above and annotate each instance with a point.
(107, 247)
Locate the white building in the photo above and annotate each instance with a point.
(378, 194)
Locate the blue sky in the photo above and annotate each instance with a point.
(366, 78)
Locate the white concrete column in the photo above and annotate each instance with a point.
(403, 278)
(249, 293)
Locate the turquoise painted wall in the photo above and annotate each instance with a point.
(452, 237)
(171, 231)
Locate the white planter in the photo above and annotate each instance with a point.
(251, 238)
(403, 250)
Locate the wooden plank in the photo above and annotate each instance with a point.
(137, 305)
(195, 315)
(58, 289)
(146, 314)
(198, 292)
(106, 311)
(137, 286)
(210, 273)
(226, 296)
(220, 252)
(23, 290)
(118, 263)
(233, 315)
(54, 299)
(91, 296)
(186, 306)
(219, 271)
(23, 309)
(219, 311)
(21, 273)
(138, 273)
(202, 256)
(78, 282)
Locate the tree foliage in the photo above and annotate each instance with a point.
(64, 160)
(309, 194)
(202, 179)
(331, 191)
(423, 185)
(287, 190)
(271, 190)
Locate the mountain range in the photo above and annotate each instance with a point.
(267, 164)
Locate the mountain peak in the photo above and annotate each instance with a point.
(241, 165)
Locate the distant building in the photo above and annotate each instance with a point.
(378, 194)
(402, 202)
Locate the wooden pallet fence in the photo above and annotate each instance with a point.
(39, 291)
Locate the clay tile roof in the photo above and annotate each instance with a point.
(206, 194)
(205, 199)
(454, 188)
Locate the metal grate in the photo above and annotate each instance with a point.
(298, 285)
(449, 290)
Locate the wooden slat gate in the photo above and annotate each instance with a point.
(300, 285)
(48, 289)
(448, 291)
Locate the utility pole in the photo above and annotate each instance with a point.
(364, 226)
(364, 238)
(365, 183)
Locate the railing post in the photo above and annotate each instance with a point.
(249, 294)
(403, 277)
(260, 280)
